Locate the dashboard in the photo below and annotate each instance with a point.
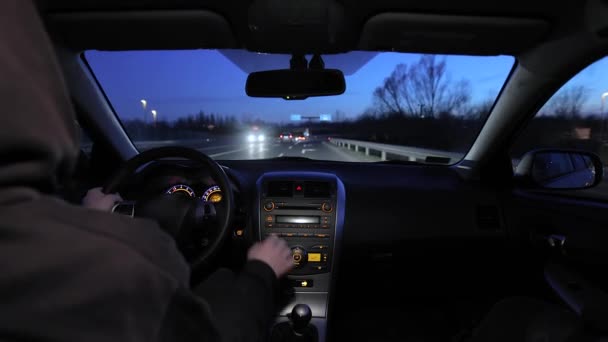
(374, 196)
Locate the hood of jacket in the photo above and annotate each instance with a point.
(39, 140)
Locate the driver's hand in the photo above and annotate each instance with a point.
(274, 252)
(96, 199)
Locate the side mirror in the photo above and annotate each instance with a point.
(559, 169)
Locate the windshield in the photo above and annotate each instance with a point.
(397, 106)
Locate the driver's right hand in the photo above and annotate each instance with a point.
(275, 252)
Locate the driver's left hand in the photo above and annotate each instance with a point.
(96, 199)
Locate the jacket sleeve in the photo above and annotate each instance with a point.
(225, 307)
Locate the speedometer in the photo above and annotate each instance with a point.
(181, 189)
(213, 194)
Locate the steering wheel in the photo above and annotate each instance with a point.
(198, 228)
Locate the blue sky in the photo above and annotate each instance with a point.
(178, 83)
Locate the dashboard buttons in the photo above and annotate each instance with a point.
(299, 256)
(269, 218)
(314, 257)
(269, 206)
(322, 236)
(327, 207)
(302, 282)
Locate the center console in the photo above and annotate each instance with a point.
(307, 210)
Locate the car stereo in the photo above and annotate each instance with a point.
(303, 213)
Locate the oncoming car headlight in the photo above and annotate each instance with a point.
(261, 137)
(251, 138)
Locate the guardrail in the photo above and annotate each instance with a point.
(394, 152)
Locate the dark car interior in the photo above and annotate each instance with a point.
(388, 251)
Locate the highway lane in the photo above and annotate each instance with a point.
(314, 149)
(235, 148)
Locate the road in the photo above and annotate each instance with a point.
(316, 148)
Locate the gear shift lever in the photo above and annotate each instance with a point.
(298, 329)
(300, 317)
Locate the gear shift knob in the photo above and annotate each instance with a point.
(300, 316)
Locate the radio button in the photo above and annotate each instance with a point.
(298, 255)
(327, 207)
(269, 206)
(269, 218)
(324, 226)
(323, 236)
(319, 247)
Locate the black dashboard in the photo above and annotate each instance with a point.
(385, 203)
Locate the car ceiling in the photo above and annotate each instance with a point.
(516, 25)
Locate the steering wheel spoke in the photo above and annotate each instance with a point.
(124, 208)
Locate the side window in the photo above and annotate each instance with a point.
(574, 118)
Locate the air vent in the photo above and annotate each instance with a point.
(280, 189)
(317, 189)
(488, 218)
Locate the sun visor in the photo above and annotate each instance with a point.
(281, 26)
(140, 30)
(449, 34)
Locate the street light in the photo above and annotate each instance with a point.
(602, 114)
(144, 104)
(604, 95)
(153, 115)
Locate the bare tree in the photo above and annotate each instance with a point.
(422, 89)
(387, 97)
(480, 110)
(567, 102)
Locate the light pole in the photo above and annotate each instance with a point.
(154, 116)
(602, 114)
(144, 104)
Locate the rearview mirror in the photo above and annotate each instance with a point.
(560, 169)
(295, 84)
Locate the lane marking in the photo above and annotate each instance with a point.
(290, 147)
(228, 152)
(280, 155)
(308, 149)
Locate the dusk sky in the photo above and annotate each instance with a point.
(178, 83)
